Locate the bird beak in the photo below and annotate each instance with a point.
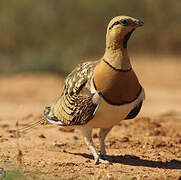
(138, 23)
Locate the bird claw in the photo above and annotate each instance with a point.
(102, 161)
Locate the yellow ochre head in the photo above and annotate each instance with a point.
(121, 27)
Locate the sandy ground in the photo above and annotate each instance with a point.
(148, 147)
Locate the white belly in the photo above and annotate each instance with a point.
(108, 115)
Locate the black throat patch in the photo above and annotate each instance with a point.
(126, 38)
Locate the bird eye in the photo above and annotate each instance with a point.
(125, 22)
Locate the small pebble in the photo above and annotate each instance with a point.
(63, 129)
(42, 136)
(12, 131)
(59, 144)
(125, 139)
(75, 138)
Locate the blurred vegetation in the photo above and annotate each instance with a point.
(53, 35)
(14, 175)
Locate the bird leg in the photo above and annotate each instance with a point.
(102, 135)
(86, 132)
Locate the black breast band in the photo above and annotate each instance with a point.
(120, 103)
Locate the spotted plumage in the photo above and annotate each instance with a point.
(75, 106)
(99, 94)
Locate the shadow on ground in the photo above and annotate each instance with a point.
(136, 161)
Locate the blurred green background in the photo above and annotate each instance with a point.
(54, 35)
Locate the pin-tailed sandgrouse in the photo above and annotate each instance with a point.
(99, 94)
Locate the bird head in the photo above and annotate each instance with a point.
(120, 29)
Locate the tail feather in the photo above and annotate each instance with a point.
(53, 120)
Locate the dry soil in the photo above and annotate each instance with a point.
(148, 147)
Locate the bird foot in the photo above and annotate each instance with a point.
(102, 161)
